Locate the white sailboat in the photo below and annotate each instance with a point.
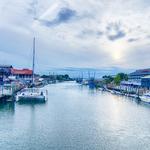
(32, 94)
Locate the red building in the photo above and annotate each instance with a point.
(24, 74)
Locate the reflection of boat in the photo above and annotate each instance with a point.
(145, 97)
(91, 83)
(7, 107)
(32, 94)
(80, 79)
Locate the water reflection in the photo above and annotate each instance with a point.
(75, 118)
(31, 103)
(7, 107)
(92, 91)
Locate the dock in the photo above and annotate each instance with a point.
(7, 92)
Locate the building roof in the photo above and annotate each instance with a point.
(140, 72)
(6, 66)
(21, 72)
(146, 77)
(131, 83)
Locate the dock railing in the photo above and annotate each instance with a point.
(9, 89)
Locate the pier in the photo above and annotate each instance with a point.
(9, 91)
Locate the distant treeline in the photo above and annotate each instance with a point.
(57, 77)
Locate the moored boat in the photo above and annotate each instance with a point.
(145, 97)
(32, 94)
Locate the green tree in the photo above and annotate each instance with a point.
(107, 79)
(120, 77)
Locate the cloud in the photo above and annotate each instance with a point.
(76, 33)
(89, 33)
(63, 16)
(133, 40)
(118, 35)
(32, 8)
(114, 31)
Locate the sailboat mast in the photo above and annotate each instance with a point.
(33, 63)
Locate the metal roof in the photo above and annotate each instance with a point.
(131, 83)
(140, 72)
(21, 72)
(146, 77)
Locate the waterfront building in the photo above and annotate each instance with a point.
(139, 79)
(22, 74)
(145, 82)
(5, 70)
(130, 86)
(138, 75)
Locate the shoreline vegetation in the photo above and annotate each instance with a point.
(56, 78)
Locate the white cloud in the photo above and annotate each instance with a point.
(97, 32)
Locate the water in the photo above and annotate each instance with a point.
(75, 118)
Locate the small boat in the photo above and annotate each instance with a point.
(79, 80)
(101, 89)
(32, 94)
(116, 92)
(133, 96)
(112, 92)
(145, 97)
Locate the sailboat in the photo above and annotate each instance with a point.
(32, 94)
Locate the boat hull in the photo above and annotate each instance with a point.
(31, 98)
(145, 99)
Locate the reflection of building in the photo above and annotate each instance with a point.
(23, 74)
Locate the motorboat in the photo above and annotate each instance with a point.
(101, 89)
(145, 97)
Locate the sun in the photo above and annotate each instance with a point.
(116, 49)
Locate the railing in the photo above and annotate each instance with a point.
(8, 90)
(5, 91)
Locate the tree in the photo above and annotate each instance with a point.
(66, 76)
(120, 77)
(108, 79)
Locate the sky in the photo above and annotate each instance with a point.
(75, 33)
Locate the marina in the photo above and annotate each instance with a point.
(135, 84)
(74, 75)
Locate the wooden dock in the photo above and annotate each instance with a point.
(8, 93)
